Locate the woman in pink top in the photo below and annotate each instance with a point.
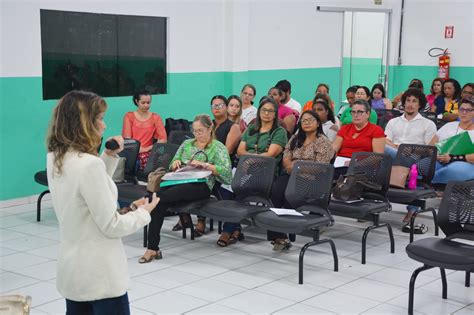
(287, 116)
(144, 126)
(435, 91)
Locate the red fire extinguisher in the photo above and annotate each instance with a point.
(444, 62)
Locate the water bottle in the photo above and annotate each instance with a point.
(412, 181)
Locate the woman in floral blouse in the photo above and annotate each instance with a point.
(218, 162)
(308, 144)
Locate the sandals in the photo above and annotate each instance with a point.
(237, 235)
(179, 226)
(224, 240)
(200, 228)
(417, 229)
(408, 216)
(144, 260)
(281, 244)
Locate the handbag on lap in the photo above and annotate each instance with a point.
(155, 178)
(350, 187)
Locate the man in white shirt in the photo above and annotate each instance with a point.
(285, 86)
(411, 127)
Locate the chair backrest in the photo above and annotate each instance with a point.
(253, 178)
(384, 116)
(130, 153)
(456, 212)
(176, 124)
(160, 156)
(376, 166)
(309, 184)
(424, 156)
(178, 136)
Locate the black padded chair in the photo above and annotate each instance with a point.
(131, 147)
(456, 219)
(308, 191)
(376, 166)
(42, 179)
(252, 183)
(178, 136)
(424, 156)
(385, 115)
(160, 156)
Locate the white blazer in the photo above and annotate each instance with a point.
(92, 264)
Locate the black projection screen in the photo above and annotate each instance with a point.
(111, 55)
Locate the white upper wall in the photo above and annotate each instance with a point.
(241, 35)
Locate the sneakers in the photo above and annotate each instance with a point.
(417, 229)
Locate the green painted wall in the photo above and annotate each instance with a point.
(25, 116)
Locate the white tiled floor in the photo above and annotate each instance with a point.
(197, 277)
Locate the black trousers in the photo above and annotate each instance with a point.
(169, 196)
(279, 201)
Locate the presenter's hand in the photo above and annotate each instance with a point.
(147, 204)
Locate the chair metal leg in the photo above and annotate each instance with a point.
(411, 290)
(38, 205)
(467, 283)
(412, 227)
(211, 224)
(373, 227)
(316, 242)
(445, 283)
(219, 227)
(435, 219)
(145, 236)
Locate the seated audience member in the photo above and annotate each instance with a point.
(455, 167)
(360, 135)
(218, 162)
(467, 91)
(308, 144)
(378, 98)
(234, 111)
(249, 112)
(362, 93)
(326, 116)
(286, 100)
(350, 98)
(286, 115)
(411, 127)
(435, 91)
(448, 102)
(414, 83)
(322, 88)
(144, 126)
(265, 138)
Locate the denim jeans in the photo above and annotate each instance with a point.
(455, 171)
(391, 151)
(113, 306)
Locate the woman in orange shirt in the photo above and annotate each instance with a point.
(144, 126)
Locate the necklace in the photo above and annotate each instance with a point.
(467, 127)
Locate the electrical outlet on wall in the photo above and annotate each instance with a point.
(378, 1)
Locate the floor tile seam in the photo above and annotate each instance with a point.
(429, 292)
(141, 309)
(19, 288)
(20, 274)
(306, 304)
(61, 298)
(2, 243)
(267, 293)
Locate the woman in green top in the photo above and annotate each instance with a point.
(265, 137)
(363, 93)
(191, 152)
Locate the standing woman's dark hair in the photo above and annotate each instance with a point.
(317, 100)
(258, 121)
(300, 135)
(73, 125)
(138, 94)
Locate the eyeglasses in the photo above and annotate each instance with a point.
(267, 111)
(357, 112)
(198, 132)
(465, 110)
(308, 120)
(247, 94)
(218, 106)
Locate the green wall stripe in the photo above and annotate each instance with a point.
(25, 116)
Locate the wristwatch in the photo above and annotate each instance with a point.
(133, 206)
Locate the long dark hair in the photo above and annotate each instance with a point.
(258, 121)
(300, 136)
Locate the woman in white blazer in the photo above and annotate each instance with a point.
(92, 266)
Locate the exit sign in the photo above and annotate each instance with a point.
(448, 31)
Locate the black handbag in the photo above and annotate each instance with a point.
(350, 187)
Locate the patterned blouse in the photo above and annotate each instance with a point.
(319, 150)
(217, 155)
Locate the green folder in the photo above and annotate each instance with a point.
(182, 181)
(457, 145)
